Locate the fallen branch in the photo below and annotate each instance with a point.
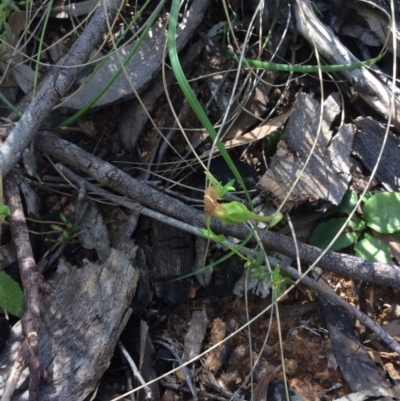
(108, 175)
(32, 281)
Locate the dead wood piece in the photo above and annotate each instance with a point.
(371, 89)
(81, 323)
(109, 175)
(32, 281)
(368, 142)
(146, 359)
(55, 86)
(195, 335)
(358, 368)
(327, 174)
(142, 67)
(94, 233)
(172, 258)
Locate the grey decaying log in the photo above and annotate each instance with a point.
(142, 67)
(367, 144)
(55, 86)
(81, 324)
(105, 173)
(327, 174)
(371, 89)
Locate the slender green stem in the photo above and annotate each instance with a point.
(308, 68)
(190, 96)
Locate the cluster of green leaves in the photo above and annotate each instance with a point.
(66, 229)
(277, 281)
(236, 213)
(380, 214)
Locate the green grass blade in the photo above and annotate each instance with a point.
(190, 96)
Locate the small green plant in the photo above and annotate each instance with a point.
(231, 212)
(67, 228)
(380, 214)
(236, 213)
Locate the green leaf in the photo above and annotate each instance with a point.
(11, 296)
(222, 189)
(13, 6)
(7, 30)
(374, 249)
(382, 212)
(209, 234)
(276, 218)
(324, 233)
(63, 218)
(56, 227)
(348, 202)
(5, 210)
(271, 143)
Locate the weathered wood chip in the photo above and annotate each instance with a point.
(81, 323)
(368, 142)
(327, 173)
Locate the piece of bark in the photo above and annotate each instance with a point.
(367, 144)
(94, 233)
(81, 324)
(327, 174)
(172, 258)
(195, 335)
(142, 67)
(146, 359)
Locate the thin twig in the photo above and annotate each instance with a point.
(32, 281)
(135, 370)
(109, 175)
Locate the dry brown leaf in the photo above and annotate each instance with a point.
(260, 132)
